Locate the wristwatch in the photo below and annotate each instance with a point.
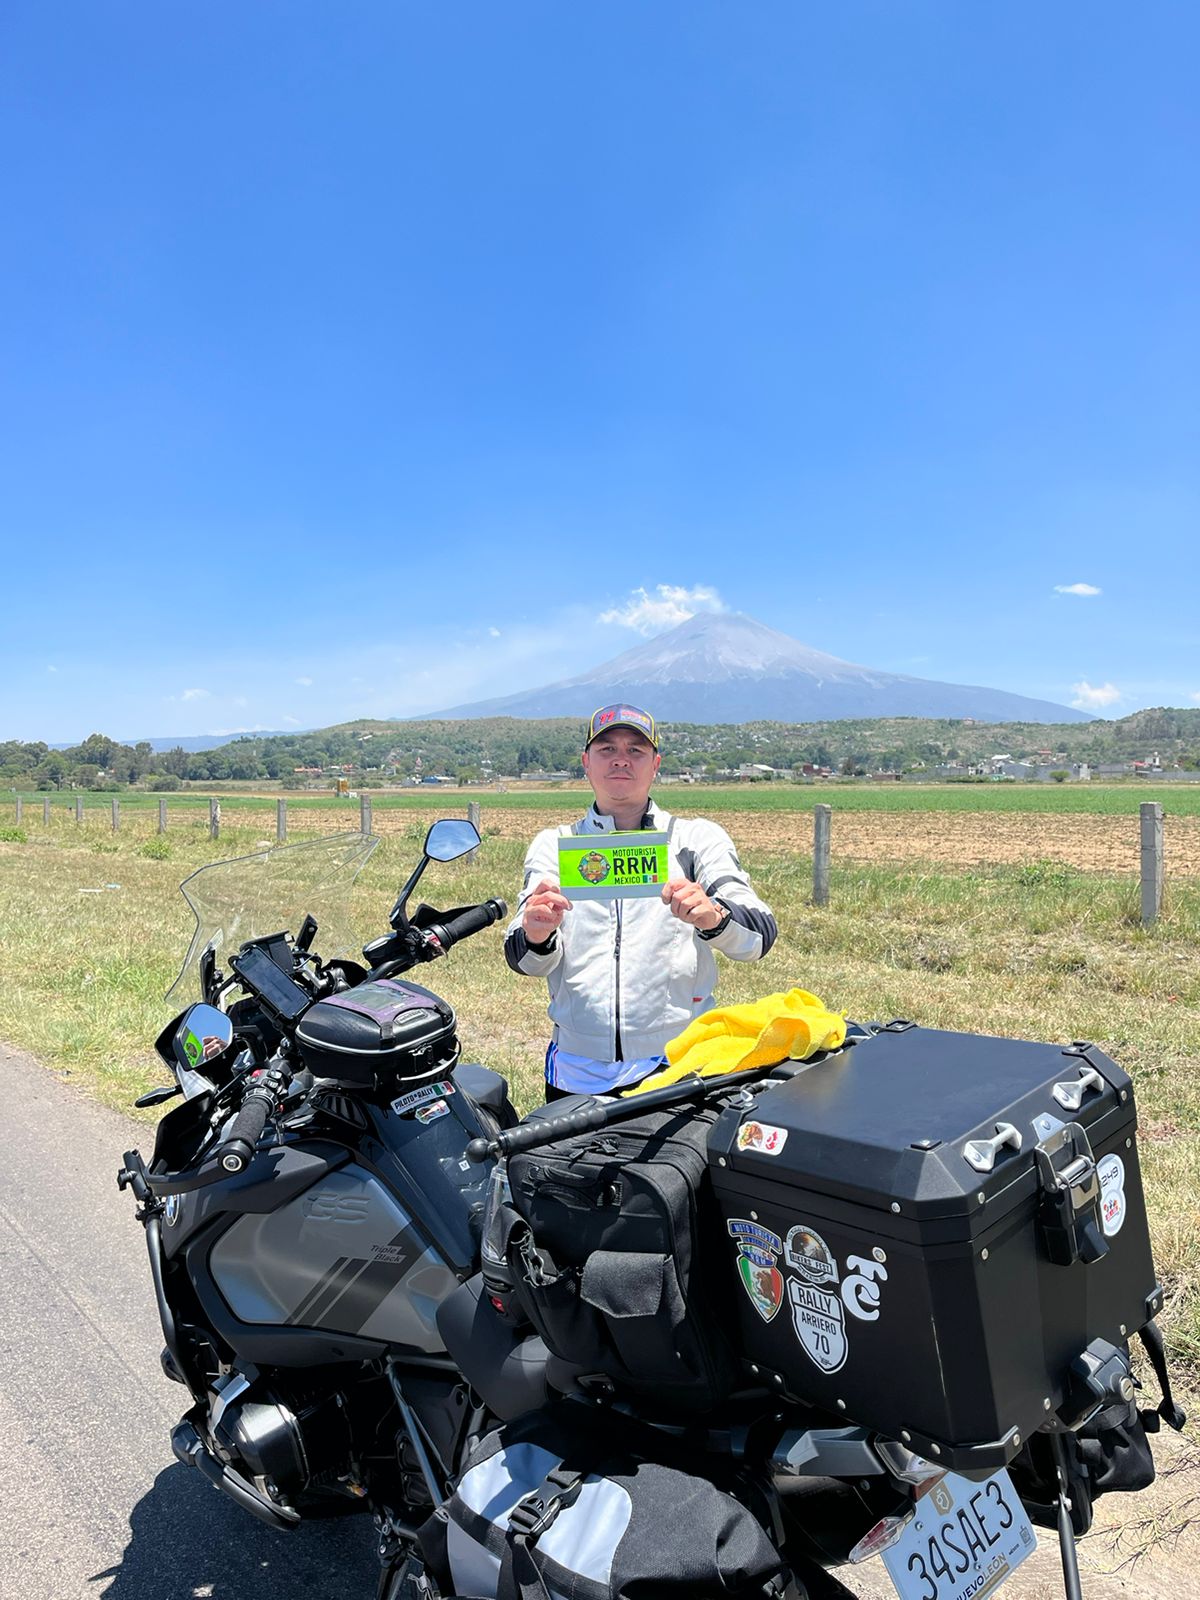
(711, 933)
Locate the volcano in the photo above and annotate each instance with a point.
(728, 667)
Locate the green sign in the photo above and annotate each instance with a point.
(612, 866)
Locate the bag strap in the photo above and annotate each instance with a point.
(1152, 1343)
(519, 1576)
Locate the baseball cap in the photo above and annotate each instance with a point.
(622, 717)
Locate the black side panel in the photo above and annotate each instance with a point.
(505, 1368)
(486, 1088)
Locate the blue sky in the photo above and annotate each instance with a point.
(359, 360)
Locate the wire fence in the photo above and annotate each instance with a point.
(1121, 844)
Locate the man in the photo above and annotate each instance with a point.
(626, 975)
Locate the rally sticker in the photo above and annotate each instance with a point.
(808, 1253)
(439, 1108)
(820, 1324)
(1111, 1172)
(612, 866)
(761, 1136)
(758, 1253)
(820, 1297)
(420, 1097)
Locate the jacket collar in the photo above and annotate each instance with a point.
(596, 822)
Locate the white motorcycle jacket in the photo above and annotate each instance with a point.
(625, 975)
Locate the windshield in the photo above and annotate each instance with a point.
(269, 892)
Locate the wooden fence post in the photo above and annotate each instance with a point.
(281, 820)
(473, 815)
(1152, 859)
(20, 809)
(822, 823)
(364, 813)
(116, 813)
(78, 808)
(214, 818)
(46, 811)
(162, 816)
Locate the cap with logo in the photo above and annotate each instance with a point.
(622, 717)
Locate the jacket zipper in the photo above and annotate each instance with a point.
(617, 983)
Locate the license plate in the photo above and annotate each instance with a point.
(965, 1541)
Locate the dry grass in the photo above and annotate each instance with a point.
(92, 929)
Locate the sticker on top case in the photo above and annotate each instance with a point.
(761, 1136)
(1111, 1172)
(757, 1258)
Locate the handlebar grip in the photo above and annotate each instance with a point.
(237, 1151)
(468, 922)
(542, 1130)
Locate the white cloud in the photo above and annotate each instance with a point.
(291, 722)
(51, 669)
(305, 683)
(1086, 589)
(194, 694)
(666, 608)
(1089, 698)
(493, 633)
(1195, 695)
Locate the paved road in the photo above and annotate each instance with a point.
(93, 1502)
(95, 1505)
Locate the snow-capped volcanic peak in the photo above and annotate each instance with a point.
(729, 668)
(708, 648)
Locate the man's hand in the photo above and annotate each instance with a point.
(544, 910)
(688, 901)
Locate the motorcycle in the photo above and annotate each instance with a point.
(317, 1213)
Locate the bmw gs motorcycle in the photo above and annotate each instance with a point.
(315, 1209)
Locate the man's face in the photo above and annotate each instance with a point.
(620, 765)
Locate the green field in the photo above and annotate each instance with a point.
(92, 929)
(1099, 799)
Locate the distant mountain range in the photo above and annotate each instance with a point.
(730, 668)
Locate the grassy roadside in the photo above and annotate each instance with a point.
(92, 929)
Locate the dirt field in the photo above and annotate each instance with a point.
(968, 839)
(1087, 842)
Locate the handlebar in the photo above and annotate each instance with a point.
(260, 1099)
(473, 920)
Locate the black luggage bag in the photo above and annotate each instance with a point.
(941, 1236)
(608, 1265)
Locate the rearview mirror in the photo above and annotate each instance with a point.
(450, 838)
(203, 1033)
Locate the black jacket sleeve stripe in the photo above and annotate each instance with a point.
(730, 877)
(759, 922)
(515, 947)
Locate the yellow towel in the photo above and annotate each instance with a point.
(776, 1028)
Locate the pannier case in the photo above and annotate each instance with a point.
(931, 1231)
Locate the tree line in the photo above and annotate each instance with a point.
(500, 747)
